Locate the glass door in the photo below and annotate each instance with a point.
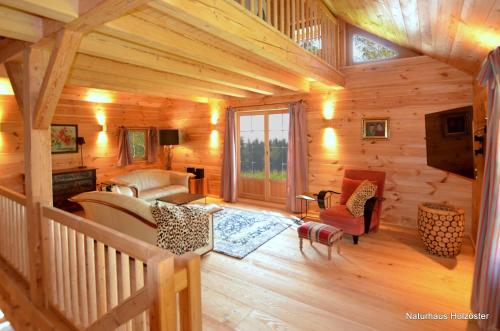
(262, 155)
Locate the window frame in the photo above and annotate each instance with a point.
(146, 143)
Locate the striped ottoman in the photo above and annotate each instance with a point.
(320, 233)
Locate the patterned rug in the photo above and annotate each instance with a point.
(239, 232)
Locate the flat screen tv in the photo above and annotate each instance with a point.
(449, 141)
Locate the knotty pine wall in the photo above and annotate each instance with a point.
(403, 90)
(100, 150)
(201, 141)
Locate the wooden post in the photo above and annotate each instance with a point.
(190, 298)
(161, 283)
(37, 165)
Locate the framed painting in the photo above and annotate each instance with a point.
(63, 138)
(375, 128)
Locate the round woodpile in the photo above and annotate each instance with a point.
(441, 228)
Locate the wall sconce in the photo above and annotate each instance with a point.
(1, 127)
(103, 128)
(328, 111)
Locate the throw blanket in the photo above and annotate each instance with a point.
(181, 229)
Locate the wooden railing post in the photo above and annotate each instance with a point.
(190, 298)
(161, 283)
(37, 166)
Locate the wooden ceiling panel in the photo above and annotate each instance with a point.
(460, 33)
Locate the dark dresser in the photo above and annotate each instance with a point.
(69, 182)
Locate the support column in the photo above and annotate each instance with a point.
(37, 165)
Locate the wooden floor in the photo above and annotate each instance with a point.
(368, 287)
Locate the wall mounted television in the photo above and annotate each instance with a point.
(449, 141)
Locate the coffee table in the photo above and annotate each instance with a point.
(182, 198)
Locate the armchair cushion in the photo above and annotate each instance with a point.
(340, 217)
(357, 200)
(348, 187)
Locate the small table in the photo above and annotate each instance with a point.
(310, 196)
(182, 198)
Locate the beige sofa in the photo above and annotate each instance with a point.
(129, 215)
(151, 184)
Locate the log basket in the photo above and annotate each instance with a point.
(441, 228)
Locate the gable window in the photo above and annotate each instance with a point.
(364, 47)
(138, 143)
(367, 50)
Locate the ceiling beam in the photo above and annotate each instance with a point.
(15, 73)
(115, 49)
(100, 80)
(232, 23)
(21, 26)
(96, 64)
(59, 10)
(61, 59)
(103, 12)
(170, 35)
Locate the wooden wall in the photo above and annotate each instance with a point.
(201, 141)
(403, 90)
(100, 150)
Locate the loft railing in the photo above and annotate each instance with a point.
(308, 23)
(95, 278)
(14, 231)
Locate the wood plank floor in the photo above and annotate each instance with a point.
(368, 287)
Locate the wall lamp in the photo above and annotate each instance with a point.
(103, 128)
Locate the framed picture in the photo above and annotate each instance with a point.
(375, 128)
(63, 138)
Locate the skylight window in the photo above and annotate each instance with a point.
(368, 50)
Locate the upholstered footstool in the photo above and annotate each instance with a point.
(321, 233)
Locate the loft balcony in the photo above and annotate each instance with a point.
(195, 50)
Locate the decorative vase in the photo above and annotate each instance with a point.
(441, 228)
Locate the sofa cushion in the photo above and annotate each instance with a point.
(356, 203)
(338, 216)
(156, 193)
(147, 179)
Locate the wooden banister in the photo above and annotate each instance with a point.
(120, 241)
(13, 195)
(121, 314)
(308, 23)
(96, 278)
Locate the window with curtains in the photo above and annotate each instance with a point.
(138, 139)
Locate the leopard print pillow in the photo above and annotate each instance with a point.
(181, 229)
(356, 202)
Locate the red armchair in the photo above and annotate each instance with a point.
(340, 217)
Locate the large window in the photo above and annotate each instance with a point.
(138, 139)
(262, 154)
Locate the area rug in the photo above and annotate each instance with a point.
(239, 232)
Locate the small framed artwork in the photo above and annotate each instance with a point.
(375, 128)
(63, 138)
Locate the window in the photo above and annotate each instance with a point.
(138, 141)
(366, 50)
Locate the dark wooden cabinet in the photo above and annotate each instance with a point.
(70, 182)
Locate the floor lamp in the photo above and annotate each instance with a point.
(168, 139)
(80, 141)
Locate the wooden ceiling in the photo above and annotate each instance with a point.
(458, 32)
(167, 48)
